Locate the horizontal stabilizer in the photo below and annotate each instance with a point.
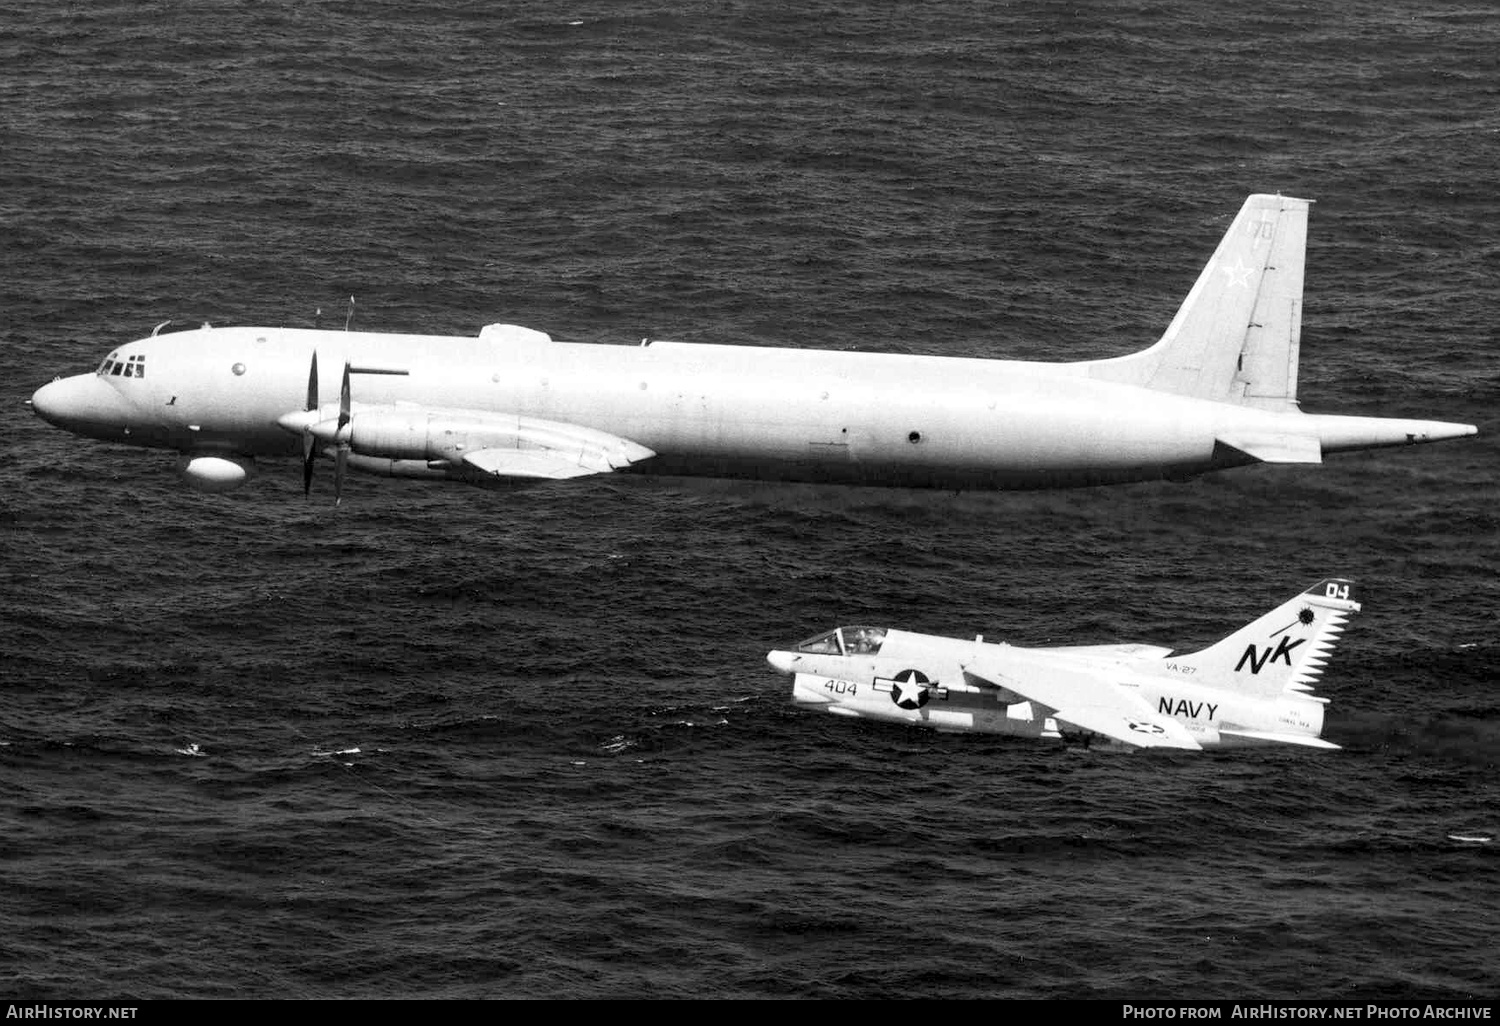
(1275, 446)
(1305, 740)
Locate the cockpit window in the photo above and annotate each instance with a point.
(845, 641)
(823, 644)
(133, 366)
(863, 640)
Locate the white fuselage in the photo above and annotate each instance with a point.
(703, 409)
(1218, 389)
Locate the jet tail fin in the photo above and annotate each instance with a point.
(1283, 651)
(1237, 336)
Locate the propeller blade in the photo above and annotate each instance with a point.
(341, 456)
(344, 398)
(307, 439)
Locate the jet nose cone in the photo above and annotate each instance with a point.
(782, 662)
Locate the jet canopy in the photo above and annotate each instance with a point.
(843, 641)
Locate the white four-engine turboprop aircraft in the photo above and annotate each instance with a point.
(1254, 687)
(1218, 390)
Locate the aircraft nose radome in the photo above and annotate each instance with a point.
(47, 401)
(83, 404)
(79, 400)
(781, 662)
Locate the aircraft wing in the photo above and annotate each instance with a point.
(525, 447)
(1127, 651)
(1091, 702)
(537, 464)
(497, 444)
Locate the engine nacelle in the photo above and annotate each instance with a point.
(214, 473)
(419, 435)
(451, 435)
(420, 469)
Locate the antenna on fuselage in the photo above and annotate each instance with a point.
(349, 318)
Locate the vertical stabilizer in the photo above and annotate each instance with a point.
(1283, 651)
(1237, 335)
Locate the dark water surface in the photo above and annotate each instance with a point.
(456, 743)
